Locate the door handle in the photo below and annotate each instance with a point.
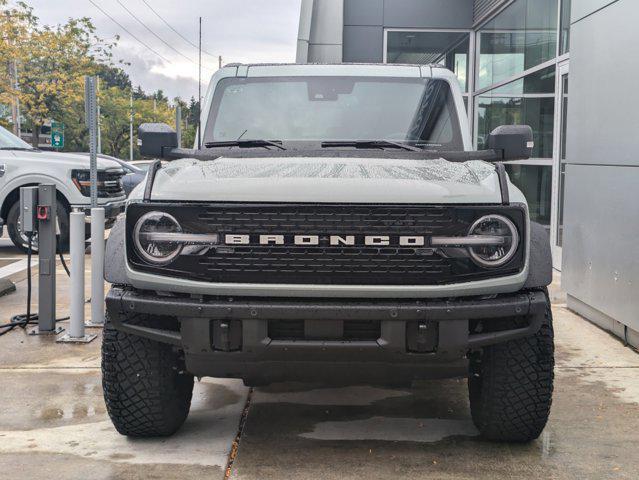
(3, 169)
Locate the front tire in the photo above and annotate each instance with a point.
(511, 386)
(146, 390)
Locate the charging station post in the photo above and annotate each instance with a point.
(38, 217)
(47, 217)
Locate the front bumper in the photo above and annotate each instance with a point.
(229, 337)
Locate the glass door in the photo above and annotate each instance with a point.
(559, 170)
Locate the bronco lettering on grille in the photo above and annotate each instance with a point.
(332, 240)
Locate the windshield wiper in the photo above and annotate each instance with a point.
(380, 144)
(246, 144)
(17, 148)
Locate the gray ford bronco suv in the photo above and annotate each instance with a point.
(335, 226)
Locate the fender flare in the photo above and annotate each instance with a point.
(540, 263)
(114, 257)
(539, 275)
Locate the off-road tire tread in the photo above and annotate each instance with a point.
(511, 386)
(146, 391)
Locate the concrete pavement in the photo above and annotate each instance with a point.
(297, 431)
(53, 422)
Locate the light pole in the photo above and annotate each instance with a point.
(131, 128)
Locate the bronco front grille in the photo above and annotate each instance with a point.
(325, 264)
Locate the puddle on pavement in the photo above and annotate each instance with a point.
(82, 429)
(427, 430)
(86, 402)
(358, 395)
(212, 396)
(73, 412)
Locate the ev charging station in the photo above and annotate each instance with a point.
(38, 215)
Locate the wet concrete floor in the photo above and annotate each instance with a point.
(53, 422)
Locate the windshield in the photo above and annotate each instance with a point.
(413, 110)
(8, 140)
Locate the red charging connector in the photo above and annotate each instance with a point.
(43, 212)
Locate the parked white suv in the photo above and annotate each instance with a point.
(22, 165)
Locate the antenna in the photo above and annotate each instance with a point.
(199, 91)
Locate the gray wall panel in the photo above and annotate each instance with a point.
(604, 67)
(428, 13)
(363, 44)
(320, 37)
(327, 22)
(363, 12)
(325, 53)
(601, 252)
(581, 8)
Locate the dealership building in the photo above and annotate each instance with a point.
(567, 69)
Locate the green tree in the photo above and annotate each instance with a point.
(111, 76)
(115, 119)
(52, 64)
(52, 61)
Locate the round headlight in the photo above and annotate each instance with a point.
(150, 241)
(503, 250)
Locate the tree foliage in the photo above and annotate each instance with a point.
(52, 62)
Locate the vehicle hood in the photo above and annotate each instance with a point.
(327, 180)
(69, 160)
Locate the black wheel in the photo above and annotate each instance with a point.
(146, 389)
(21, 241)
(511, 386)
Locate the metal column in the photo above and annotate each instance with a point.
(76, 322)
(178, 125)
(97, 267)
(91, 113)
(97, 214)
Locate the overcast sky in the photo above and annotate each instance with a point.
(239, 30)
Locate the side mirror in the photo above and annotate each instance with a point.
(156, 139)
(514, 141)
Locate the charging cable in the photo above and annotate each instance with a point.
(23, 320)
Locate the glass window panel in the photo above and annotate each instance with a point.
(521, 37)
(494, 111)
(542, 81)
(535, 182)
(449, 49)
(335, 108)
(565, 27)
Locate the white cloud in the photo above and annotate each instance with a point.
(239, 30)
